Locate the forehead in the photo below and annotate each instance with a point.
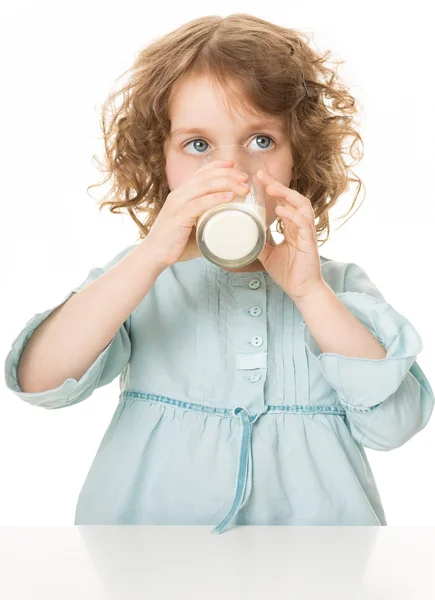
(200, 100)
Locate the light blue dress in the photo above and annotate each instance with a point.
(228, 413)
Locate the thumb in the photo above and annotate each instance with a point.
(263, 257)
(191, 250)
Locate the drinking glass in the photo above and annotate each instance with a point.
(234, 234)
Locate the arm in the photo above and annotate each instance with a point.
(335, 328)
(64, 353)
(387, 397)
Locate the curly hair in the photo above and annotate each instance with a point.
(280, 75)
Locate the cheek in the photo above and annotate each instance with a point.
(284, 174)
(178, 169)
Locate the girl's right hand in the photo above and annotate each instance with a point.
(172, 236)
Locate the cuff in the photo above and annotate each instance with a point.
(59, 396)
(362, 383)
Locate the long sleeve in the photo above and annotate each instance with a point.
(389, 400)
(108, 365)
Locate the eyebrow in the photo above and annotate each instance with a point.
(257, 125)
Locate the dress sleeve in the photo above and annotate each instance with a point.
(388, 400)
(102, 371)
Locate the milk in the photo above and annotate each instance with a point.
(232, 234)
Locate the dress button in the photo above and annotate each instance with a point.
(255, 311)
(257, 340)
(255, 377)
(254, 284)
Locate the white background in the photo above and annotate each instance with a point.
(59, 61)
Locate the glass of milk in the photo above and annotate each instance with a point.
(234, 234)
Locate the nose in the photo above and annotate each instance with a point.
(231, 152)
(240, 155)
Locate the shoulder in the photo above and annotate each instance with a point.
(96, 271)
(349, 277)
(334, 272)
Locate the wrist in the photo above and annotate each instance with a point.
(316, 294)
(150, 257)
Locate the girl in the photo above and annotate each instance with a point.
(247, 395)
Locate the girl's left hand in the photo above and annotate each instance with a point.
(294, 263)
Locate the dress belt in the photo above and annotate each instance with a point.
(244, 473)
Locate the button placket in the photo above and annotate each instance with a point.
(255, 311)
(251, 351)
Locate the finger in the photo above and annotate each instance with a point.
(212, 181)
(292, 198)
(217, 184)
(198, 206)
(223, 172)
(305, 227)
(216, 163)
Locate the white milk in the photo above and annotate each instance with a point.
(233, 234)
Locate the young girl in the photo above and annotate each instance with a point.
(247, 395)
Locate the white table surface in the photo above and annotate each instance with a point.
(156, 562)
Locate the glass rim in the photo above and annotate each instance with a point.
(248, 150)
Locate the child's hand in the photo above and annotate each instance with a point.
(172, 235)
(294, 263)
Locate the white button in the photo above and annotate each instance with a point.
(257, 340)
(254, 284)
(255, 377)
(255, 311)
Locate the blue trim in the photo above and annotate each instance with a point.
(242, 473)
(336, 409)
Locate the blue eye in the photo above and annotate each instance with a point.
(204, 142)
(193, 141)
(262, 137)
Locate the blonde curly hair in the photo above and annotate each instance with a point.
(280, 74)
